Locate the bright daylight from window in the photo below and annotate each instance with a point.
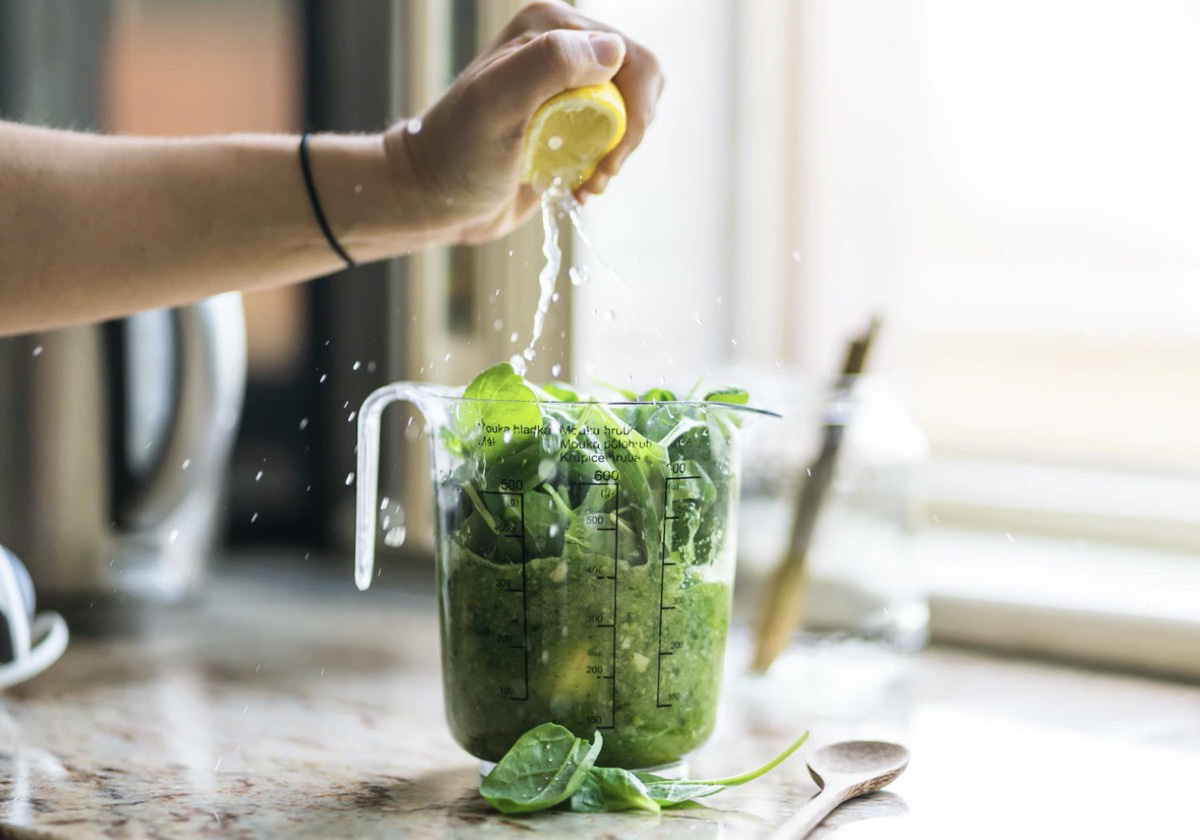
(1017, 203)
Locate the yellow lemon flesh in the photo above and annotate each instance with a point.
(569, 134)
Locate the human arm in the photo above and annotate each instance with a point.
(93, 227)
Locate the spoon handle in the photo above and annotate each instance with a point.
(801, 823)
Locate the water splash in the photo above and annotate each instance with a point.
(554, 199)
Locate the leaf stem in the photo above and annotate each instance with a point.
(754, 774)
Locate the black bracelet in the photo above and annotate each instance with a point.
(316, 204)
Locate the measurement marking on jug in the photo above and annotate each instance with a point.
(665, 564)
(612, 625)
(507, 498)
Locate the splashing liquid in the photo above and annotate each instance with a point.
(554, 200)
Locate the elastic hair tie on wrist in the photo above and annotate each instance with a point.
(315, 202)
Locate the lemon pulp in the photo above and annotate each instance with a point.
(569, 134)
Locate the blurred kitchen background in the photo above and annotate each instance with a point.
(1012, 189)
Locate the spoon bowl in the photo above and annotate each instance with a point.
(844, 770)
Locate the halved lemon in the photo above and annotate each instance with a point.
(570, 133)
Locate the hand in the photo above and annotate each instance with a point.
(461, 157)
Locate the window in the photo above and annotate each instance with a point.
(1014, 188)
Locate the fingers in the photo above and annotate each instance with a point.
(533, 71)
(640, 78)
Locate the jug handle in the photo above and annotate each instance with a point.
(212, 384)
(367, 497)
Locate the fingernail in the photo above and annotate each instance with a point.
(608, 48)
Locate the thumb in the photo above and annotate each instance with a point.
(555, 61)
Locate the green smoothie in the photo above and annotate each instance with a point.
(585, 554)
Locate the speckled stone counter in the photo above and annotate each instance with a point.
(289, 705)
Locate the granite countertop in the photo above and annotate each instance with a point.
(291, 705)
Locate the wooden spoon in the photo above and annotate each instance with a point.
(844, 770)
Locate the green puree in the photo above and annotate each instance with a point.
(585, 552)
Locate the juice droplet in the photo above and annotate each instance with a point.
(349, 479)
(356, 366)
(303, 423)
(258, 476)
(395, 536)
(555, 370)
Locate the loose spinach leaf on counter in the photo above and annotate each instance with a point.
(544, 767)
(612, 789)
(547, 760)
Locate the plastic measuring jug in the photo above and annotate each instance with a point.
(585, 555)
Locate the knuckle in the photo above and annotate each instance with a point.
(559, 49)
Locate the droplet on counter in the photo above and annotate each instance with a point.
(349, 479)
(37, 351)
(303, 423)
(259, 476)
(395, 536)
(555, 370)
(187, 462)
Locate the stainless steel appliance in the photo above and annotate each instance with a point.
(113, 444)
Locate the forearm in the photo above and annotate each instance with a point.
(95, 227)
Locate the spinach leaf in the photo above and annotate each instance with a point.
(544, 767)
(516, 402)
(751, 775)
(612, 789)
(561, 392)
(730, 395)
(671, 792)
(549, 765)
